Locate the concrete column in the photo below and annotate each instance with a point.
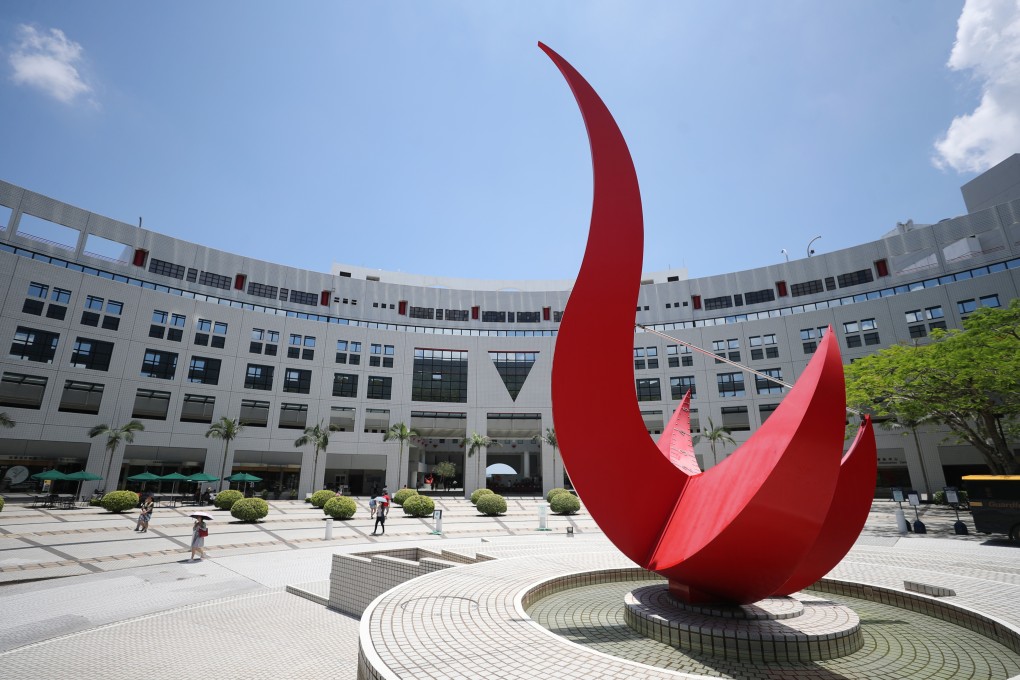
(526, 467)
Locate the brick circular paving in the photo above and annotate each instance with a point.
(897, 643)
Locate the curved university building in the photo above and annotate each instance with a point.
(104, 322)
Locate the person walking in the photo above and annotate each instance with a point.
(382, 508)
(198, 533)
(145, 515)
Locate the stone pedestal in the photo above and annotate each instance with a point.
(784, 629)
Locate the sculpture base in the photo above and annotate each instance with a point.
(784, 629)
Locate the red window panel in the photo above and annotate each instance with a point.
(402, 308)
(474, 313)
(324, 297)
(696, 301)
(140, 257)
(546, 313)
(781, 288)
(882, 267)
(239, 280)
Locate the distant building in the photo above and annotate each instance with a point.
(104, 322)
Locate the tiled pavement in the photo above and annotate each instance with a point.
(132, 603)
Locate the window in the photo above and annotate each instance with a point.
(648, 389)
(966, 306)
(439, 375)
(297, 381)
(380, 387)
(679, 384)
(151, 404)
(197, 408)
(934, 312)
(810, 347)
(254, 413)
(81, 397)
(765, 410)
(345, 385)
(30, 344)
(735, 418)
(639, 358)
(765, 386)
(259, 377)
(342, 349)
(855, 278)
(807, 333)
(60, 295)
(342, 417)
(92, 354)
(262, 290)
(174, 271)
(914, 316)
(204, 370)
(204, 325)
(851, 327)
(220, 328)
(376, 420)
(989, 301)
(871, 339)
(917, 332)
(159, 317)
(114, 307)
(22, 391)
(38, 290)
(159, 364)
(178, 320)
(853, 341)
(93, 302)
(388, 352)
(730, 384)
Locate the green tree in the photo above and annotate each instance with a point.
(549, 438)
(715, 436)
(402, 434)
(965, 380)
(6, 421)
(114, 436)
(446, 470)
(226, 429)
(475, 444)
(318, 437)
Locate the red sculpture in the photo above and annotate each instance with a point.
(771, 518)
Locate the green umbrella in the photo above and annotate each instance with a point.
(144, 477)
(83, 476)
(174, 477)
(202, 477)
(243, 477)
(51, 475)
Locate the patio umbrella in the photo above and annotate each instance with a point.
(202, 477)
(174, 477)
(50, 475)
(243, 477)
(499, 469)
(144, 477)
(83, 476)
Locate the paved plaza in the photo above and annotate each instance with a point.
(85, 596)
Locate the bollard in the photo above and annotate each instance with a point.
(543, 516)
(570, 532)
(329, 529)
(901, 522)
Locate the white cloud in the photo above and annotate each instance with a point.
(47, 61)
(988, 45)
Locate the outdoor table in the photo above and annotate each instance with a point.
(64, 500)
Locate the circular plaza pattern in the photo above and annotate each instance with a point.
(897, 643)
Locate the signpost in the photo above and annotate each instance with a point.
(914, 498)
(953, 498)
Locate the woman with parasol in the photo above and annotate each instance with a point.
(198, 533)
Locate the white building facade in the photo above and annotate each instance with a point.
(106, 322)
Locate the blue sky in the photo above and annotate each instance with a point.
(436, 138)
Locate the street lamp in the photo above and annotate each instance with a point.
(809, 251)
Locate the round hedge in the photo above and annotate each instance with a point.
(1, 503)
(319, 498)
(554, 492)
(340, 507)
(478, 493)
(119, 501)
(249, 509)
(402, 495)
(419, 506)
(492, 504)
(226, 499)
(564, 504)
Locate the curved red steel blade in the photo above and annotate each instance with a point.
(676, 443)
(615, 244)
(736, 532)
(847, 514)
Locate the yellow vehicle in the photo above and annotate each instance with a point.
(995, 504)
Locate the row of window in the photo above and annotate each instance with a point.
(728, 384)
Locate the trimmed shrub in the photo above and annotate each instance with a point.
(119, 501)
(226, 499)
(319, 498)
(564, 504)
(940, 497)
(402, 495)
(340, 507)
(96, 502)
(492, 504)
(554, 492)
(1, 503)
(249, 509)
(477, 493)
(419, 506)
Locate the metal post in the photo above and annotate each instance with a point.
(543, 516)
(329, 529)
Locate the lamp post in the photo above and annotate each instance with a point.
(809, 251)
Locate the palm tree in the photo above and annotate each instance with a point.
(5, 420)
(549, 438)
(714, 435)
(474, 444)
(114, 436)
(403, 434)
(226, 429)
(318, 437)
